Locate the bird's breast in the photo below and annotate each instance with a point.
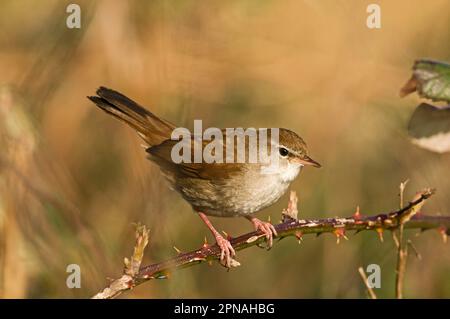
(240, 195)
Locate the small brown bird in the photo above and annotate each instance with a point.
(214, 189)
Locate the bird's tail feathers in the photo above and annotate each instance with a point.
(151, 128)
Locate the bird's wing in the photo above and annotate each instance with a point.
(161, 154)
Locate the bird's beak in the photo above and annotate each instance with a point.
(306, 160)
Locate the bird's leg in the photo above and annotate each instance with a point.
(265, 227)
(226, 250)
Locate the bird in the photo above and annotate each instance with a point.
(221, 189)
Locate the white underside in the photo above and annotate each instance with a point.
(254, 196)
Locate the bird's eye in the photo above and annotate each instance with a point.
(283, 152)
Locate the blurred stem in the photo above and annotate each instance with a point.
(402, 251)
(402, 255)
(288, 227)
(370, 291)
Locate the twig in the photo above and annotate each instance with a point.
(402, 252)
(370, 291)
(131, 271)
(402, 192)
(290, 227)
(402, 249)
(402, 255)
(414, 249)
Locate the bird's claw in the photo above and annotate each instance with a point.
(267, 229)
(227, 251)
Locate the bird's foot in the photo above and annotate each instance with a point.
(227, 251)
(266, 228)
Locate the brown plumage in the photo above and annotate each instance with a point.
(151, 128)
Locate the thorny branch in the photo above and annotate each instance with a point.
(290, 226)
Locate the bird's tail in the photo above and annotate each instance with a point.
(151, 128)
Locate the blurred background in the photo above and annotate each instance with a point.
(73, 180)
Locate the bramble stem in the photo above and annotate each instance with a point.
(291, 227)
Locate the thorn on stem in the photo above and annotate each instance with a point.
(299, 236)
(380, 234)
(205, 243)
(340, 233)
(357, 214)
(227, 236)
(443, 231)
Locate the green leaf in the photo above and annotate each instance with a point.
(431, 79)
